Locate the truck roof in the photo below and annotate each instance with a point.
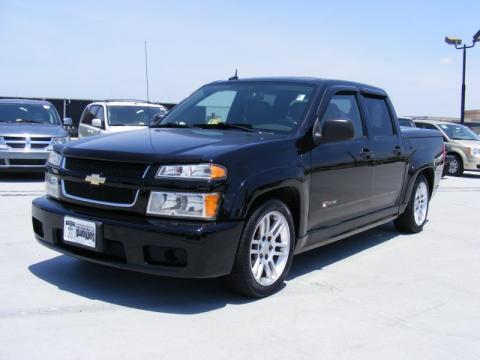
(306, 80)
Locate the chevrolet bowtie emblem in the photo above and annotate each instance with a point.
(95, 179)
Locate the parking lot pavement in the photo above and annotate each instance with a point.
(378, 295)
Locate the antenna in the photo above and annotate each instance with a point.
(234, 77)
(146, 79)
(146, 70)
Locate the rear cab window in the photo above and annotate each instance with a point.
(379, 117)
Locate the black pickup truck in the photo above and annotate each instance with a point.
(238, 178)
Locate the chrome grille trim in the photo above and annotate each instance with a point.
(27, 142)
(106, 203)
(73, 197)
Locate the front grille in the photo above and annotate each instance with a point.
(22, 142)
(104, 193)
(105, 168)
(32, 162)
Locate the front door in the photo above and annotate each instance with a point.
(341, 171)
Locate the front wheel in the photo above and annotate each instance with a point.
(455, 167)
(415, 215)
(265, 251)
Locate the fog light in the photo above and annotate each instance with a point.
(190, 205)
(52, 185)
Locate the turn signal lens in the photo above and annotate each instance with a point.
(211, 205)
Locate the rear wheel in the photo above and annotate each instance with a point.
(265, 251)
(455, 167)
(415, 215)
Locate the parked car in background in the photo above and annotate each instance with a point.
(406, 122)
(462, 145)
(238, 178)
(28, 131)
(110, 116)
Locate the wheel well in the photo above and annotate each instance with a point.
(455, 154)
(430, 176)
(288, 195)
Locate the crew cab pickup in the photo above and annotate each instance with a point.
(238, 178)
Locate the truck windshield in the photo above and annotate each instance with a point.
(459, 132)
(259, 106)
(122, 115)
(29, 113)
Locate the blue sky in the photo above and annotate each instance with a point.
(94, 49)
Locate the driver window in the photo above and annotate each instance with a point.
(345, 106)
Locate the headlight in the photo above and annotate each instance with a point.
(58, 141)
(189, 205)
(198, 171)
(52, 185)
(475, 151)
(3, 144)
(54, 158)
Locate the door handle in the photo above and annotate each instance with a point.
(366, 153)
(397, 150)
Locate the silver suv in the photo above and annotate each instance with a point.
(461, 143)
(109, 116)
(28, 131)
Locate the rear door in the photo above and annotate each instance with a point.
(341, 171)
(387, 145)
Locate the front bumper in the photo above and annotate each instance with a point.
(139, 243)
(472, 164)
(21, 160)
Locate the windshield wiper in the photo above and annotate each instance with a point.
(29, 121)
(171, 125)
(224, 126)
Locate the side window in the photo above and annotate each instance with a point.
(379, 117)
(100, 113)
(431, 127)
(88, 115)
(345, 106)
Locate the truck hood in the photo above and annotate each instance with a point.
(159, 145)
(12, 129)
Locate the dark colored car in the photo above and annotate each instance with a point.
(238, 178)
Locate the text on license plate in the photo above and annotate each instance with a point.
(79, 231)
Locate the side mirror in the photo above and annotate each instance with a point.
(158, 117)
(97, 123)
(333, 130)
(67, 121)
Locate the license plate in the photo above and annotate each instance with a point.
(80, 232)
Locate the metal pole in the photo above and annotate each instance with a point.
(462, 111)
(146, 71)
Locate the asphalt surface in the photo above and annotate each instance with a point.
(378, 295)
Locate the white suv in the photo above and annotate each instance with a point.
(109, 116)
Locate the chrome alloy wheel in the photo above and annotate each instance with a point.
(421, 203)
(453, 166)
(269, 248)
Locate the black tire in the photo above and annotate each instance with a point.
(455, 167)
(241, 278)
(406, 221)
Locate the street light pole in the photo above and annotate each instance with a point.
(458, 45)
(462, 110)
